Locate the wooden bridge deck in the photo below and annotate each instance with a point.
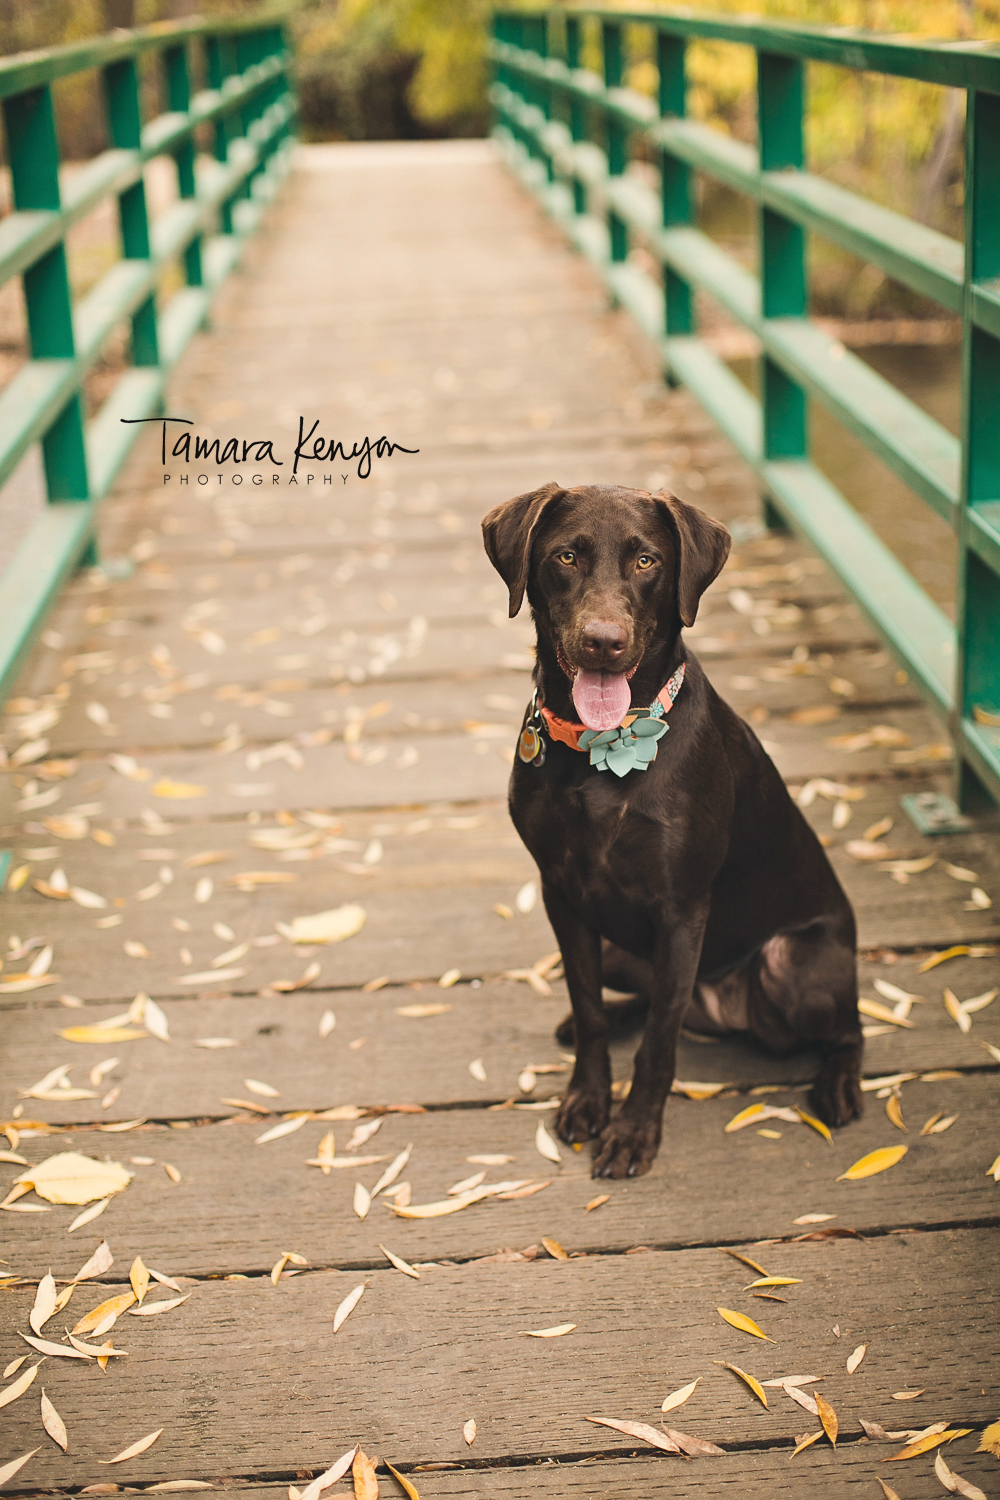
(318, 683)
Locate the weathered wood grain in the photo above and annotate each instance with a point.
(239, 1204)
(375, 1056)
(249, 1377)
(766, 1474)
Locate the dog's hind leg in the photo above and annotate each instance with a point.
(804, 991)
(632, 977)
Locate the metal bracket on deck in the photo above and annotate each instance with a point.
(935, 812)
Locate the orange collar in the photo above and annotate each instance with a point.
(568, 733)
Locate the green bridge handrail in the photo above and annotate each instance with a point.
(567, 132)
(250, 109)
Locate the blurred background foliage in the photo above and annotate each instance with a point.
(391, 69)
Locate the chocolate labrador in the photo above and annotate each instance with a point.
(674, 865)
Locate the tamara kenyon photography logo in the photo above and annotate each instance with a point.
(188, 447)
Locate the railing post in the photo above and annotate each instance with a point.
(617, 136)
(577, 120)
(544, 97)
(784, 292)
(121, 93)
(675, 180)
(220, 63)
(175, 68)
(978, 601)
(34, 169)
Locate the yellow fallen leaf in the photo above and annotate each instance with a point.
(401, 1479)
(806, 1442)
(449, 978)
(958, 951)
(554, 1248)
(856, 1358)
(72, 1178)
(743, 1323)
(954, 1483)
(417, 1012)
(745, 1117)
(9, 1470)
(754, 1385)
(877, 1012)
(814, 1124)
(894, 1111)
(362, 1200)
(102, 1034)
(332, 926)
(930, 1441)
(469, 1431)
(549, 1333)
(682, 1394)
(597, 1202)
(177, 790)
(774, 1281)
(828, 1417)
(953, 1006)
(135, 1449)
(876, 1161)
(745, 1260)
(363, 1473)
(111, 1308)
(989, 1441)
(153, 1309)
(287, 1127)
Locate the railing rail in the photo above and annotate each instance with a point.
(567, 131)
(250, 109)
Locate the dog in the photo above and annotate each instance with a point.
(674, 865)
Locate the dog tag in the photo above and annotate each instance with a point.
(530, 743)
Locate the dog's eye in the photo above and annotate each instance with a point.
(644, 561)
(567, 558)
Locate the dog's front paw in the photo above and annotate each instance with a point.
(836, 1091)
(582, 1115)
(627, 1148)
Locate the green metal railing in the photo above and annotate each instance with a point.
(249, 110)
(568, 131)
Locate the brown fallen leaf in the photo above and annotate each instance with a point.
(330, 1476)
(363, 1472)
(908, 1395)
(856, 1358)
(827, 1234)
(151, 1309)
(9, 1470)
(597, 1202)
(54, 1424)
(640, 1430)
(135, 1449)
(44, 1304)
(400, 1263)
(749, 1380)
(469, 1431)
(694, 1447)
(743, 1323)
(954, 1483)
(888, 1491)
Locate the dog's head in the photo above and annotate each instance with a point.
(609, 572)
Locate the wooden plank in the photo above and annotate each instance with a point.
(240, 1379)
(238, 1205)
(765, 1474)
(375, 1056)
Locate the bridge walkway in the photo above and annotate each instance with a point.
(304, 697)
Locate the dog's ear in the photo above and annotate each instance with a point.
(703, 545)
(508, 532)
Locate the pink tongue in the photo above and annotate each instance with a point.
(602, 698)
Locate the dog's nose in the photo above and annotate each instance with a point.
(604, 642)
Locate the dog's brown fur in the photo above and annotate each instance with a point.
(697, 884)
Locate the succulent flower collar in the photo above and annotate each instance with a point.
(631, 746)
